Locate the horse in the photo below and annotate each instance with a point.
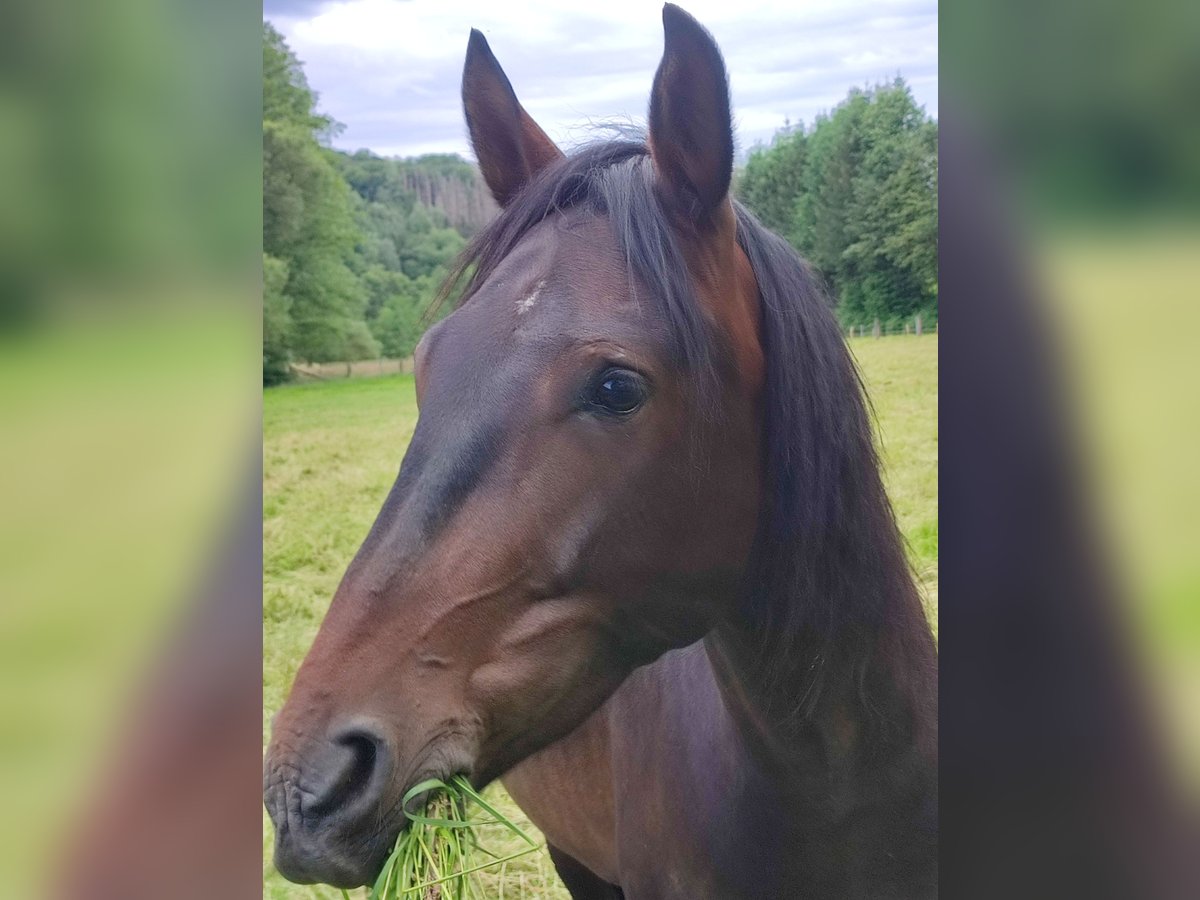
(638, 562)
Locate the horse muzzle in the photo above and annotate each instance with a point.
(327, 798)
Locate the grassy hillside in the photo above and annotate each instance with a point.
(331, 451)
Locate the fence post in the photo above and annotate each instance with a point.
(875, 329)
(918, 323)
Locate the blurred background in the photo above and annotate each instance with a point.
(137, 284)
(1085, 118)
(130, 220)
(1069, 259)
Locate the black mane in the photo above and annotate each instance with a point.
(829, 568)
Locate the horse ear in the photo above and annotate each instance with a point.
(509, 145)
(691, 132)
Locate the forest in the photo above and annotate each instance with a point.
(355, 245)
(856, 194)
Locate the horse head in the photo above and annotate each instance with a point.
(581, 491)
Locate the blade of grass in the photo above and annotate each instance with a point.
(501, 819)
(432, 855)
(478, 868)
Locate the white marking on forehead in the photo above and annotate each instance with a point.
(524, 306)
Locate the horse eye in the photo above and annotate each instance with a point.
(618, 391)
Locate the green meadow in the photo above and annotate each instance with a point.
(331, 451)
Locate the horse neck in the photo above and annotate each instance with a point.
(822, 704)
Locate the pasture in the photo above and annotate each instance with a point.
(331, 451)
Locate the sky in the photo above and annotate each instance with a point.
(389, 70)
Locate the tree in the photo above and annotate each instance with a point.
(892, 229)
(773, 178)
(826, 200)
(355, 245)
(401, 317)
(359, 342)
(857, 195)
(277, 320)
(307, 220)
(286, 94)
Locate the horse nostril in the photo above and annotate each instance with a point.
(346, 771)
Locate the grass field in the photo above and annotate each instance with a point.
(332, 449)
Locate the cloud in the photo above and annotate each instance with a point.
(292, 9)
(390, 70)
